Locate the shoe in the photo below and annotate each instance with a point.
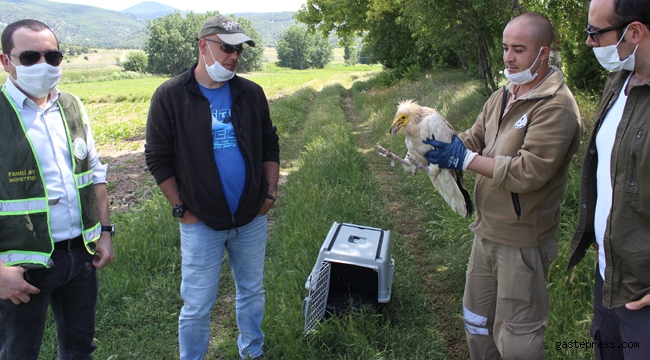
(261, 357)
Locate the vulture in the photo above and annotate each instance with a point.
(420, 123)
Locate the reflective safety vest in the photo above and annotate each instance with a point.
(25, 235)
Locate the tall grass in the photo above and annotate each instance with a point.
(140, 301)
(334, 184)
(571, 292)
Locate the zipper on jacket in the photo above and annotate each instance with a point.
(516, 204)
(638, 137)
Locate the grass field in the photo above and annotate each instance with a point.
(103, 62)
(328, 121)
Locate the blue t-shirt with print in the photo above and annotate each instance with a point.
(228, 157)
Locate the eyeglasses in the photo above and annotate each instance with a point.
(592, 33)
(31, 57)
(227, 48)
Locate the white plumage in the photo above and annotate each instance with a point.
(419, 123)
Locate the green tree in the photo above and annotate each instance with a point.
(569, 19)
(321, 51)
(135, 61)
(462, 33)
(365, 55)
(350, 51)
(347, 18)
(292, 48)
(393, 46)
(171, 42)
(387, 40)
(252, 58)
(300, 49)
(412, 34)
(350, 55)
(409, 34)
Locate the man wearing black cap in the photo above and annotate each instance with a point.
(214, 152)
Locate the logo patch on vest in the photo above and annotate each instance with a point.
(79, 148)
(521, 122)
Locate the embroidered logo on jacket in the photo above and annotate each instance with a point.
(521, 122)
(80, 149)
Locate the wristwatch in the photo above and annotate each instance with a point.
(110, 228)
(179, 210)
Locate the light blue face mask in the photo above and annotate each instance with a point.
(523, 77)
(216, 71)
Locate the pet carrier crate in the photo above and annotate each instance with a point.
(354, 267)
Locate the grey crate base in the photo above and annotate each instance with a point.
(355, 262)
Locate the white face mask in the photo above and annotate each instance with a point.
(216, 71)
(523, 77)
(608, 56)
(37, 80)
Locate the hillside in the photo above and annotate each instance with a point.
(95, 27)
(270, 25)
(78, 24)
(150, 10)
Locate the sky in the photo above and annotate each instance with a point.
(223, 6)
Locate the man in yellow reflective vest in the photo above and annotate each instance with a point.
(55, 227)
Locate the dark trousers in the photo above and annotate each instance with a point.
(619, 333)
(70, 288)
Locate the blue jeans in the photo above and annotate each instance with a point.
(70, 288)
(202, 250)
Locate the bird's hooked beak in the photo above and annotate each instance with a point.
(400, 121)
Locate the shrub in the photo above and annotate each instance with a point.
(135, 61)
(299, 49)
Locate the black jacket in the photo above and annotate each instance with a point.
(179, 143)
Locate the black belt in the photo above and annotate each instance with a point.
(69, 244)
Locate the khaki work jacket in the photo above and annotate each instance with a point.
(532, 145)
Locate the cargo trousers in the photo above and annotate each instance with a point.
(506, 304)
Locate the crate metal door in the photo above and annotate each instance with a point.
(314, 305)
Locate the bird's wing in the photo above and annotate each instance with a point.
(448, 183)
(437, 126)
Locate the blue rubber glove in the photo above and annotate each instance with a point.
(447, 155)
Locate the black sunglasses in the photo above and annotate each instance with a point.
(227, 48)
(592, 33)
(31, 57)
